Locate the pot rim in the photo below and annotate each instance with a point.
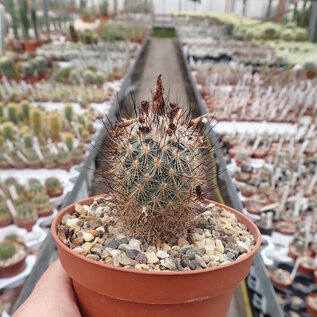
(244, 219)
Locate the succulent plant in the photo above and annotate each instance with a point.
(33, 158)
(26, 109)
(12, 112)
(74, 77)
(89, 77)
(55, 126)
(7, 67)
(40, 64)
(69, 140)
(53, 187)
(24, 8)
(15, 18)
(8, 130)
(28, 141)
(36, 121)
(156, 169)
(21, 200)
(26, 213)
(90, 127)
(60, 75)
(77, 155)
(34, 22)
(72, 32)
(4, 212)
(68, 111)
(7, 250)
(103, 8)
(35, 189)
(64, 159)
(27, 69)
(100, 77)
(85, 136)
(42, 204)
(12, 237)
(1, 110)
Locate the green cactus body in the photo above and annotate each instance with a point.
(53, 187)
(42, 204)
(34, 22)
(85, 136)
(7, 250)
(35, 189)
(15, 18)
(26, 213)
(24, 18)
(90, 127)
(72, 32)
(28, 141)
(26, 110)
(17, 161)
(21, 200)
(40, 64)
(77, 155)
(1, 110)
(89, 77)
(4, 162)
(74, 77)
(5, 214)
(100, 77)
(8, 131)
(68, 111)
(7, 67)
(49, 158)
(60, 75)
(11, 237)
(12, 112)
(69, 140)
(27, 69)
(36, 121)
(64, 158)
(32, 158)
(55, 126)
(157, 170)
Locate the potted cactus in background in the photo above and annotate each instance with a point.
(42, 205)
(7, 67)
(156, 245)
(12, 258)
(26, 216)
(5, 215)
(53, 187)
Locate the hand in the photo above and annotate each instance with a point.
(53, 296)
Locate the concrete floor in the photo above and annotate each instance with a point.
(162, 58)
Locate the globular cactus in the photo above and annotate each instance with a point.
(60, 75)
(55, 126)
(12, 112)
(72, 32)
(27, 69)
(35, 189)
(40, 64)
(68, 111)
(85, 136)
(53, 187)
(28, 141)
(8, 131)
(26, 213)
(74, 77)
(100, 77)
(77, 155)
(42, 203)
(69, 140)
(103, 8)
(7, 250)
(157, 169)
(26, 110)
(7, 67)
(89, 77)
(36, 121)
(4, 211)
(90, 127)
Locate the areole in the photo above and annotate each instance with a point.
(107, 291)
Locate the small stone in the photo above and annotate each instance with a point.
(116, 261)
(123, 240)
(124, 260)
(200, 244)
(144, 247)
(162, 254)
(111, 229)
(105, 254)
(151, 249)
(151, 257)
(80, 209)
(96, 250)
(219, 246)
(78, 250)
(124, 247)
(101, 229)
(138, 267)
(64, 219)
(207, 234)
(210, 250)
(190, 254)
(99, 212)
(141, 258)
(199, 260)
(145, 267)
(132, 253)
(93, 257)
(86, 247)
(88, 236)
(182, 241)
(188, 263)
(228, 225)
(243, 245)
(231, 256)
(115, 252)
(206, 258)
(169, 264)
(166, 247)
(71, 222)
(184, 249)
(113, 244)
(197, 236)
(135, 244)
(109, 260)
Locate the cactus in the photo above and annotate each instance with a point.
(90, 127)
(54, 126)
(69, 140)
(26, 213)
(89, 77)
(26, 109)
(7, 67)
(85, 136)
(36, 121)
(35, 189)
(103, 8)
(8, 131)
(34, 22)
(27, 69)
(7, 250)
(72, 32)
(12, 112)
(42, 204)
(4, 212)
(21, 200)
(24, 9)
(11, 237)
(156, 168)
(64, 159)
(1, 110)
(32, 157)
(40, 64)
(60, 75)
(100, 77)
(77, 155)
(68, 111)
(15, 18)
(28, 141)
(74, 77)
(53, 187)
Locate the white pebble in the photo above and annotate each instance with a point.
(162, 254)
(88, 236)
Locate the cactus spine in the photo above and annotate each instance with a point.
(34, 22)
(7, 67)
(55, 126)
(12, 112)
(24, 9)
(68, 111)
(36, 121)
(156, 168)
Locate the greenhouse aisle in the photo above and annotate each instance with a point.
(162, 58)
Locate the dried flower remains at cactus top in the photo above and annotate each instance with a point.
(156, 170)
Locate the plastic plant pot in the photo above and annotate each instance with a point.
(281, 278)
(307, 265)
(106, 291)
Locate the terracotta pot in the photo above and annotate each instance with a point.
(278, 283)
(45, 213)
(28, 225)
(14, 268)
(311, 310)
(106, 291)
(306, 270)
(5, 222)
(55, 194)
(29, 46)
(315, 276)
(279, 227)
